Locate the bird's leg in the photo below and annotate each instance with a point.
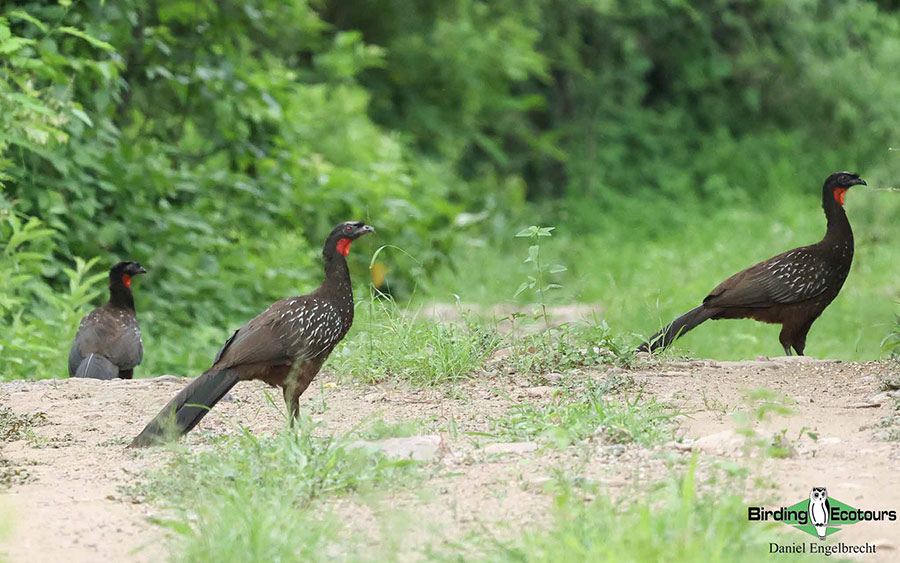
(292, 403)
(787, 350)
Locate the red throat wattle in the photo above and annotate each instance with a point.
(839, 194)
(126, 279)
(343, 246)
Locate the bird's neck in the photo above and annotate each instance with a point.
(838, 230)
(120, 296)
(337, 287)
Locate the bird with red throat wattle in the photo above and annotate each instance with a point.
(284, 346)
(108, 343)
(791, 289)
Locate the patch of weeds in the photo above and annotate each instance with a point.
(115, 441)
(253, 498)
(889, 382)
(586, 412)
(11, 474)
(889, 428)
(18, 426)
(55, 442)
(568, 347)
(395, 343)
(674, 522)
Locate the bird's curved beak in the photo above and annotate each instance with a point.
(140, 270)
(859, 182)
(364, 230)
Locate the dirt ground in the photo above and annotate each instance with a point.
(66, 503)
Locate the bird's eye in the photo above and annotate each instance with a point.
(348, 228)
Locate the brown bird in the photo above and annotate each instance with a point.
(285, 345)
(108, 342)
(791, 289)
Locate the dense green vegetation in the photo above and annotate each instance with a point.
(217, 142)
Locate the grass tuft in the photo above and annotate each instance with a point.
(676, 522)
(394, 343)
(587, 412)
(254, 499)
(891, 342)
(568, 347)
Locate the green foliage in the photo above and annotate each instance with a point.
(35, 317)
(217, 142)
(588, 412)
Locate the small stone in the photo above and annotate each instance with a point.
(539, 391)
(418, 448)
(726, 442)
(553, 377)
(373, 397)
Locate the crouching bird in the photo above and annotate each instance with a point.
(108, 342)
(285, 345)
(791, 289)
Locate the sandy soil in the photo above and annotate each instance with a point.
(66, 503)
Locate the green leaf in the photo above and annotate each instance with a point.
(80, 114)
(529, 232)
(90, 39)
(557, 268)
(522, 288)
(23, 15)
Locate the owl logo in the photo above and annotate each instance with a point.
(819, 509)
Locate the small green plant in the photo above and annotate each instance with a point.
(542, 271)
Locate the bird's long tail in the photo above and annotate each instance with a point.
(676, 328)
(188, 407)
(96, 366)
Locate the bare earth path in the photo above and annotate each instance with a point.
(65, 503)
